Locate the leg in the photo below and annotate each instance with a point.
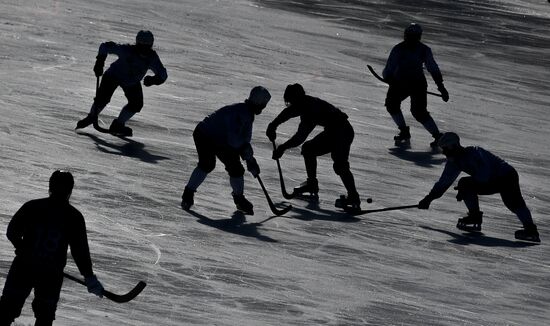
(394, 97)
(103, 97)
(317, 146)
(468, 191)
(17, 288)
(46, 296)
(232, 162)
(420, 113)
(134, 94)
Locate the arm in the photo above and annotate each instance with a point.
(14, 232)
(304, 129)
(433, 69)
(391, 65)
(79, 247)
(449, 175)
(160, 73)
(288, 113)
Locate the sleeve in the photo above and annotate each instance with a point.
(239, 131)
(160, 71)
(288, 113)
(449, 175)
(79, 247)
(15, 229)
(432, 67)
(108, 48)
(304, 129)
(391, 65)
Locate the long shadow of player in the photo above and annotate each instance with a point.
(131, 148)
(236, 225)
(480, 239)
(313, 211)
(424, 159)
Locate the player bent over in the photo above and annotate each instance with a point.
(41, 232)
(489, 174)
(226, 134)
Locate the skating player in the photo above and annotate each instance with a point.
(41, 231)
(226, 134)
(127, 72)
(405, 76)
(336, 139)
(489, 174)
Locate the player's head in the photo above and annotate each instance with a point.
(258, 99)
(293, 94)
(413, 33)
(61, 184)
(144, 41)
(449, 143)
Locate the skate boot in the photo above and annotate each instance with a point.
(403, 138)
(243, 204)
(435, 143)
(471, 222)
(528, 233)
(187, 199)
(310, 186)
(350, 203)
(88, 120)
(119, 129)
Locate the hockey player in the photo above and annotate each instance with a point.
(489, 174)
(226, 134)
(41, 231)
(127, 72)
(405, 76)
(336, 139)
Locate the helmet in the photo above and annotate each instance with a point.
(449, 140)
(145, 38)
(293, 93)
(259, 97)
(61, 183)
(413, 32)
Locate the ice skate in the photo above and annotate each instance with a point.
(471, 222)
(119, 129)
(187, 199)
(403, 138)
(243, 204)
(529, 233)
(350, 204)
(310, 186)
(88, 120)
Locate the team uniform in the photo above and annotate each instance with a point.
(41, 231)
(226, 134)
(336, 139)
(488, 174)
(405, 75)
(126, 72)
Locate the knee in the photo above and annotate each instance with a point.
(207, 167)
(44, 311)
(135, 105)
(420, 114)
(393, 107)
(307, 150)
(465, 187)
(340, 167)
(235, 170)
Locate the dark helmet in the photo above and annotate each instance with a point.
(259, 97)
(61, 183)
(293, 93)
(145, 38)
(449, 140)
(413, 32)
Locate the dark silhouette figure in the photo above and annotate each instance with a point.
(134, 60)
(336, 139)
(226, 134)
(41, 232)
(489, 174)
(404, 73)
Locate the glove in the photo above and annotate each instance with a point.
(444, 94)
(424, 203)
(148, 81)
(253, 167)
(94, 286)
(278, 152)
(98, 67)
(271, 132)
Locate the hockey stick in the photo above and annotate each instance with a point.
(274, 209)
(366, 211)
(384, 81)
(286, 195)
(96, 122)
(111, 296)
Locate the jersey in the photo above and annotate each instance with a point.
(131, 66)
(43, 229)
(231, 126)
(312, 112)
(480, 164)
(406, 61)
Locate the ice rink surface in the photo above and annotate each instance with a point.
(314, 266)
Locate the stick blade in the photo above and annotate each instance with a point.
(125, 297)
(279, 212)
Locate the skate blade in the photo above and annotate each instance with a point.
(402, 143)
(306, 196)
(529, 239)
(469, 228)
